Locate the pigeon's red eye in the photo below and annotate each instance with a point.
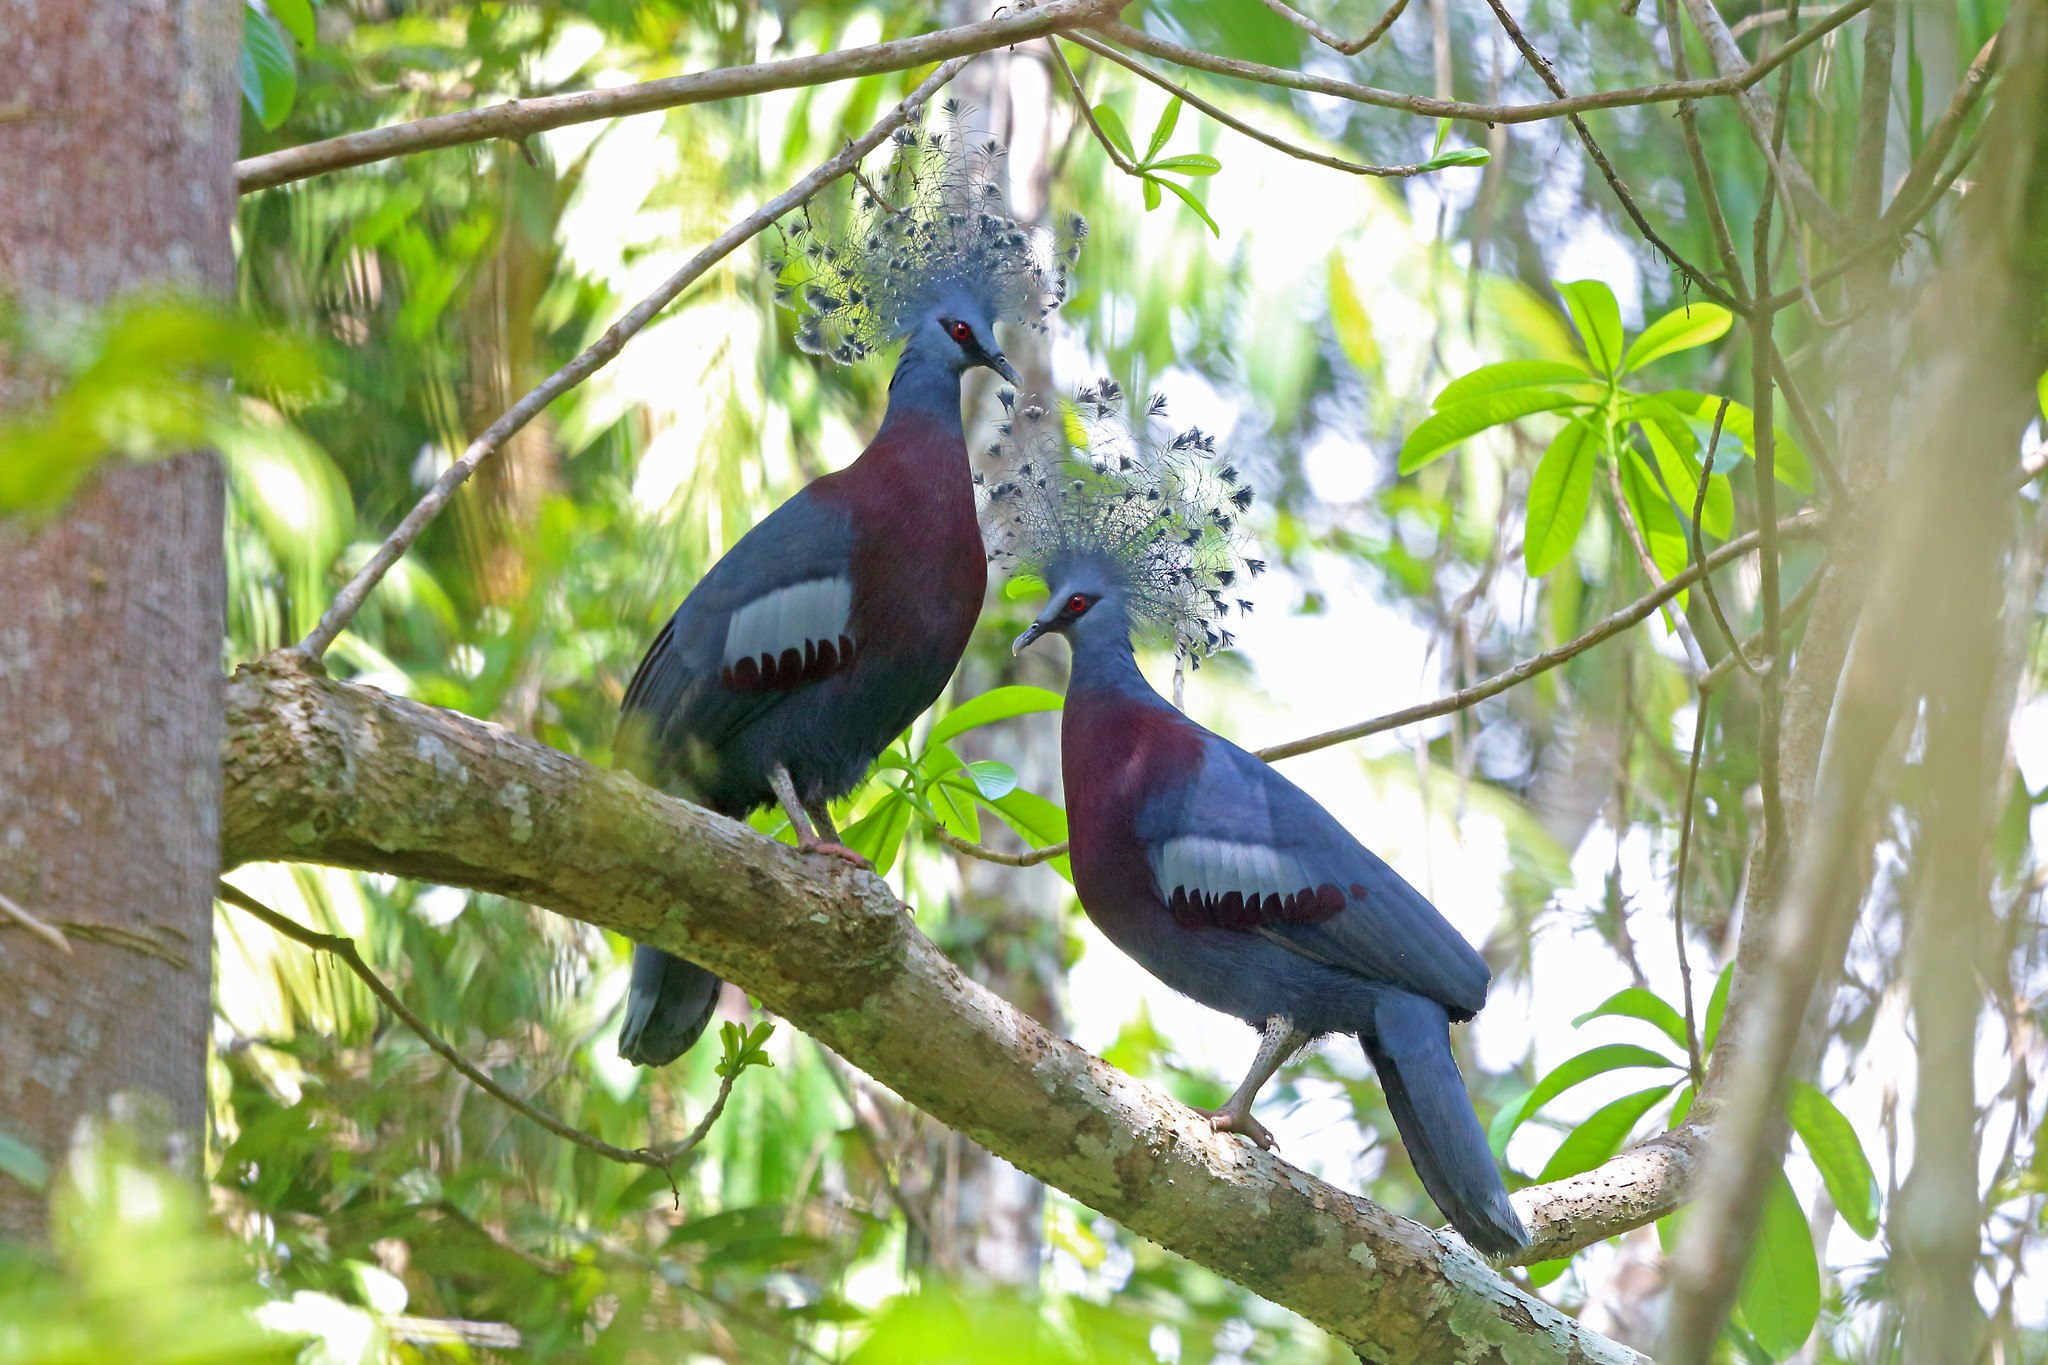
(1077, 604)
(962, 332)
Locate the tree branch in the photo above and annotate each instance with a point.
(327, 772)
(1350, 47)
(516, 119)
(1197, 60)
(599, 354)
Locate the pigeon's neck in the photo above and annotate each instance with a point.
(925, 387)
(1104, 663)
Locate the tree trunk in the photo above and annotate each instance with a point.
(117, 153)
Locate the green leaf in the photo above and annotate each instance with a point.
(1560, 495)
(1662, 531)
(23, 1162)
(1681, 329)
(1544, 1272)
(1452, 426)
(1458, 156)
(1681, 475)
(1510, 374)
(270, 75)
(1189, 163)
(1350, 320)
(1181, 191)
(1633, 1002)
(878, 835)
(1443, 131)
(954, 800)
(1152, 196)
(1037, 821)
(2041, 393)
(992, 779)
(1791, 464)
(1781, 1290)
(1593, 1062)
(1717, 1003)
(297, 18)
(1162, 130)
(1600, 1135)
(997, 704)
(1112, 126)
(1598, 319)
(1835, 1148)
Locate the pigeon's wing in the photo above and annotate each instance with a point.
(1238, 846)
(771, 617)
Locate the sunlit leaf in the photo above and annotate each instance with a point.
(1681, 477)
(1633, 1002)
(1452, 426)
(1162, 130)
(1593, 1062)
(1510, 374)
(1458, 156)
(1560, 495)
(269, 72)
(1150, 189)
(1350, 321)
(1598, 319)
(1112, 125)
(992, 779)
(1791, 464)
(297, 18)
(1832, 1143)
(1190, 163)
(1187, 197)
(1662, 531)
(1600, 1134)
(1781, 1290)
(1681, 329)
(999, 703)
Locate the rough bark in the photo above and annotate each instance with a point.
(319, 771)
(117, 175)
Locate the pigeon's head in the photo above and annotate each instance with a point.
(927, 243)
(1124, 525)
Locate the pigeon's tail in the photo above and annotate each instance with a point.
(668, 1007)
(1410, 1047)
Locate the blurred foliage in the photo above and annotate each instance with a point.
(364, 1197)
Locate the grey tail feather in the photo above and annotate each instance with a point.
(668, 1007)
(1410, 1047)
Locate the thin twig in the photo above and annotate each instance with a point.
(661, 1158)
(1692, 778)
(1541, 66)
(1673, 617)
(1029, 858)
(1794, 604)
(1350, 47)
(1696, 153)
(48, 933)
(518, 119)
(1278, 144)
(1765, 452)
(1117, 158)
(1699, 547)
(1926, 167)
(350, 599)
(1819, 449)
(1196, 59)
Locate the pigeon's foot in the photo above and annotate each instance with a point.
(834, 850)
(1228, 1120)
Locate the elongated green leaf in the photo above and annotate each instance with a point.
(1153, 199)
(1037, 821)
(1791, 464)
(1781, 1291)
(1662, 531)
(1350, 321)
(1633, 1002)
(1162, 130)
(1182, 193)
(992, 779)
(1544, 1272)
(1681, 329)
(1510, 374)
(2041, 392)
(1593, 1062)
(878, 835)
(1681, 476)
(1838, 1152)
(1600, 1135)
(1458, 156)
(1560, 495)
(1189, 163)
(999, 703)
(1598, 319)
(1717, 1004)
(1112, 125)
(269, 74)
(297, 18)
(1454, 425)
(953, 802)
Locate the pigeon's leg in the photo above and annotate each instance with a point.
(1279, 1041)
(807, 837)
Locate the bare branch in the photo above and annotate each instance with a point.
(1350, 47)
(600, 353)
(662, 1158)
(48, 933)
(1028, 858)
(1632, 1189)
(517, 119)
(1194, 101)
(349, 776)
(1696, 153)
(1428, 107)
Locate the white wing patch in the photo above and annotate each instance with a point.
(790, 635)
(1197, 875)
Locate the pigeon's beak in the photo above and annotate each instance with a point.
(1031, 632)
(1000, 363)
